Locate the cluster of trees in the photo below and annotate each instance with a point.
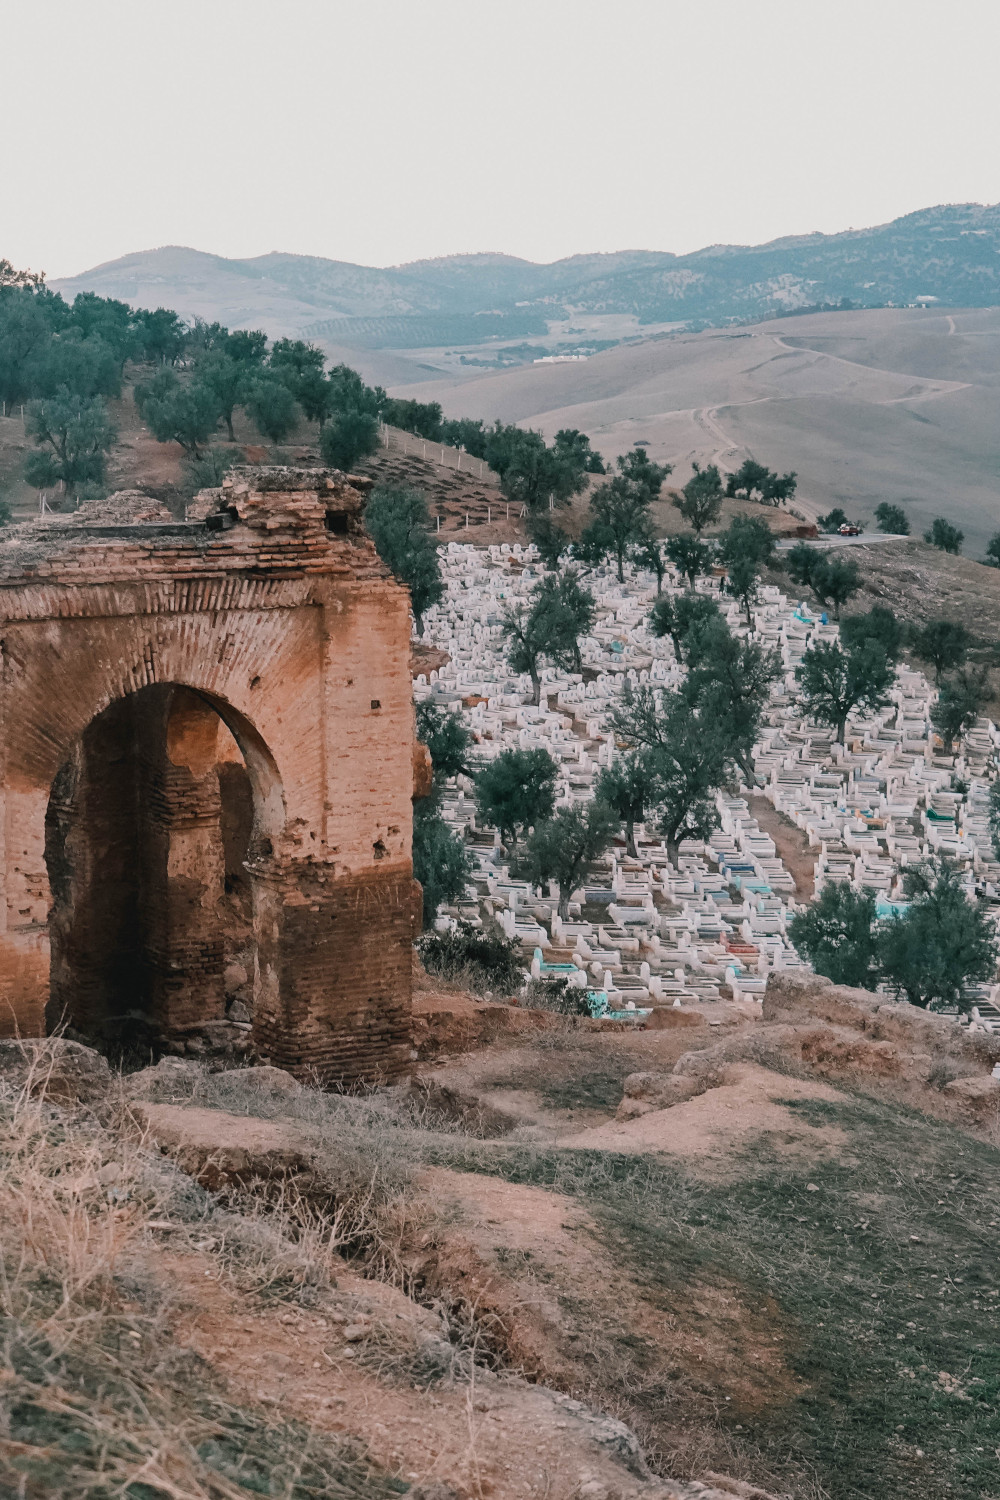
(48, 345)
(833, 579)
(930, 953)
(680, 749)
(943, 534)
(857, 673)
(515, 793)
(276, 387)
(620, 523)
(755, 481)
(61, 362)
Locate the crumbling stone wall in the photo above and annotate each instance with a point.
(151, 673)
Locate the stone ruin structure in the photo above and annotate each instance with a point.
(206, 769)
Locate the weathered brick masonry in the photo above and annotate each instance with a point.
(206, 734)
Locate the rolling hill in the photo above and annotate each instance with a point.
(893, 404)
(951, 253)
(876, 401)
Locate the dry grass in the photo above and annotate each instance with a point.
(95, 1399)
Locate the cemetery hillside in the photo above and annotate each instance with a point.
(500, 984)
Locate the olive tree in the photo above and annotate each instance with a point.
(836, 682)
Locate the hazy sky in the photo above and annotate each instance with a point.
(381, 131)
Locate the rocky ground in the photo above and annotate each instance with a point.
(740, 1260)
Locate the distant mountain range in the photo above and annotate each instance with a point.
(951, 253)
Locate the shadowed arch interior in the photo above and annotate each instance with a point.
(157, 822)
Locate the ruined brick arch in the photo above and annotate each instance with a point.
(273, 616)
(161, 828)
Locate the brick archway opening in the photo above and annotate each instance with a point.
(158, 825)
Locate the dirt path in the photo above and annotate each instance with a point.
(493, 1437)
(714, 1129)
(932, 386)
(791, 843)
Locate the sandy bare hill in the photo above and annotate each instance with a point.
(888, 404)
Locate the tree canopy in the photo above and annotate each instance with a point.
(398, 523)
(347, 437)
(516, 791)
(961, 700)
(878, 624)
(630, 787)
(186, 414)
(836, 682)
(755, 480)
(679, 617)
(566, 847)
(837, 934)
(892, 519)
(943, 944)
(619, 522)
(549, 537)
(693, 756)
(548, 624)
(745, 548)
(271, 407)
(73, 435)
(944, 644)
(729, 681)
(700, 501)
(637, 467)
(532, 473)
(440, 861)
(447, 739)
(944, 535)
(574, 448)
(690, 556)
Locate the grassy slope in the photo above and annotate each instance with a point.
(881, 1267)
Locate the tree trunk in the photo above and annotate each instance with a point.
(842, 732)
(418, 621)
(536, 688)
(673, 851)
(229, 427)
(621, 566)
(630, 838)
(563, 904)
(750, 775)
